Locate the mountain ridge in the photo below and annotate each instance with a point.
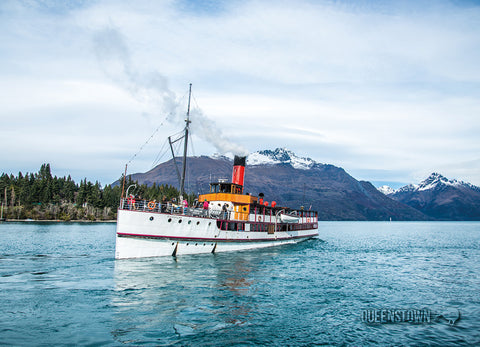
(280, 156)
(430, 182)
(440, 198)
(291, 181)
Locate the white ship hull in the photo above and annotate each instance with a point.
(149, 234)
(220, 220)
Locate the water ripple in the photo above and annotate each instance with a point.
(59, 284)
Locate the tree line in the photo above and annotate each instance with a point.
(41, 196)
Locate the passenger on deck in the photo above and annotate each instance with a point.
(185, 206)
(164, 204)
(205, 207)
(224, 211)
(131, 202)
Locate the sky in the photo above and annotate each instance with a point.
(387, 90)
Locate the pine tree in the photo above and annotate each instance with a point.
(40, 195)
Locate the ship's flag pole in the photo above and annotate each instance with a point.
(187, 121)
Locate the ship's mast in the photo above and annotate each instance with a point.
(185, 144)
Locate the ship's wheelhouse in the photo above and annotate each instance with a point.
(226, 187)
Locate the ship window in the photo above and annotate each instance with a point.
(169, 220)
(189, 222)
(198, 223)
(179, 221)
(151, 218)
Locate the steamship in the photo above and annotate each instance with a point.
(224, 219)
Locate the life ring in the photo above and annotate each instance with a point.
(151, 205)
(259, 218)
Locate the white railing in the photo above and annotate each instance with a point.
(153, 206)
(258, 215)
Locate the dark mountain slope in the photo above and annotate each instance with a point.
(442, 198)
(328, 189)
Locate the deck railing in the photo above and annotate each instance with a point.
(153, 206)
(258, 215)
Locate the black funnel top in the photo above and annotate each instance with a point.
(239, 161)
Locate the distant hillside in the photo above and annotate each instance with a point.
(441, 198)
(291, 181)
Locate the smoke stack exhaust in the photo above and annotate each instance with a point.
(238, 170)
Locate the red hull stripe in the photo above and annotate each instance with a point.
(211, 239)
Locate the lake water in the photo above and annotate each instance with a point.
(59, 285)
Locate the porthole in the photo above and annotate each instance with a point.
(210, 223)
(196, 244)
(151, 218)
(198, 223)
(189, 222)
(179, 221)
(173, 243)
(187, 244)
(169, 220)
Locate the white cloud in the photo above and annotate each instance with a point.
(373, 87)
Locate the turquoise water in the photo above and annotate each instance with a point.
(59, 285)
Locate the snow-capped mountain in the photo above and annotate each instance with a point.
(295, 181)
(432, 182)
(290, 180)
(386, 190)
(435, 180)
(407, 188)
(280, 156)
(442, 198)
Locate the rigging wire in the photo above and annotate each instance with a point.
(163, 151)
(148, 140)
(192, 151)
(191, 142)
(172, 113)
(156, 130)
(178, 147)
(195, 101)
(193, 154)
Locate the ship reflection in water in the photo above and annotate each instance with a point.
(162, 299)
(238, 282)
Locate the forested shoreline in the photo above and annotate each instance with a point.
(41, 196)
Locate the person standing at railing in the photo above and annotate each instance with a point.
(131, 202)
(224, 211)
(164, 204)
(205, 207)
(185, 206)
